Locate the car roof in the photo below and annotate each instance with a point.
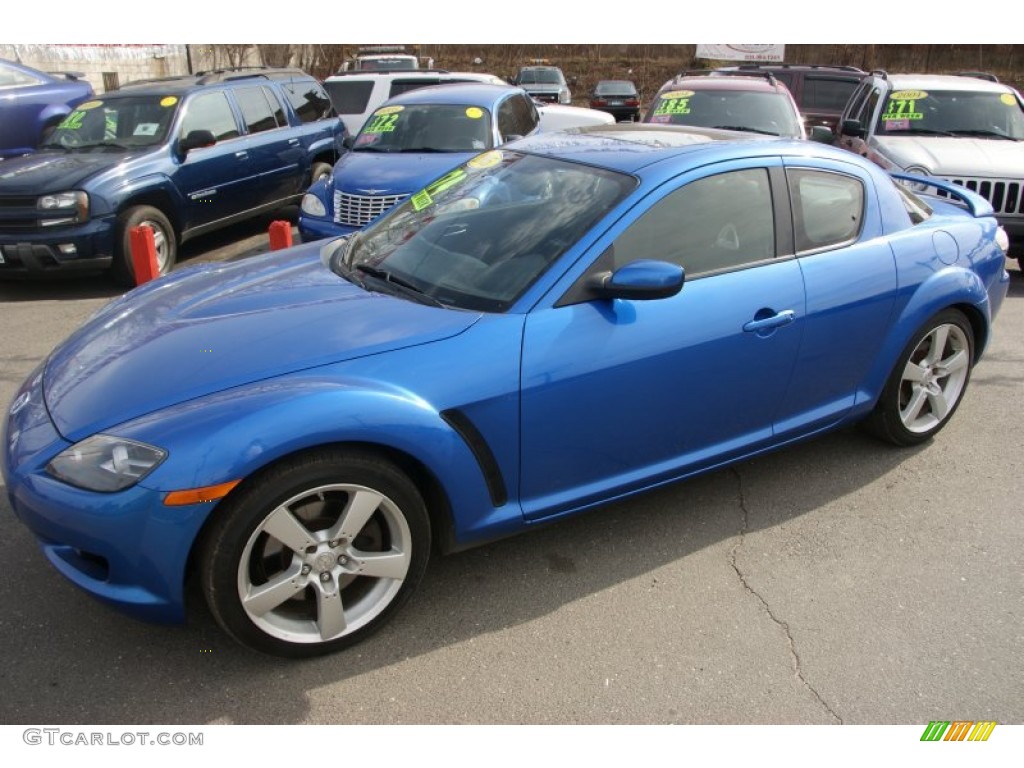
(631, 147)
(777, 67)
(730, 83)
(945, 83)
(468, 93)
(178, 84)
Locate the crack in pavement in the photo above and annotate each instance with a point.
(797, 667)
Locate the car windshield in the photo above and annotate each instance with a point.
(987, 114)
(768, 113)
(426, 128)
(540, 76)
(124, 122)
(479, 236)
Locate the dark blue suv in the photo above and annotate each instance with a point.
(183, 155)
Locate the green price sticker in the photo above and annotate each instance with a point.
(421, 200)
(902, 109)
(674, 107)
(383, 123)
(446, 181)
(73, 121)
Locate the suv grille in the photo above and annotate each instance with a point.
(19, 214)
(1004, 194)
(359, 210)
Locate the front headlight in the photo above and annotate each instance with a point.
(74, 204)
(312, 205)
(916, 170)
(105, 463)
(564, 97)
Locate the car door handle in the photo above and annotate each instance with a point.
(242, 154)
(293, 142)
(785, 317)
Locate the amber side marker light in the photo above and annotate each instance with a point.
(199, 495)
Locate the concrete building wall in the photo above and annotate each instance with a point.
(123, 63)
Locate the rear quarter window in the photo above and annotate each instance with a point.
(309, 100)
(828, 208)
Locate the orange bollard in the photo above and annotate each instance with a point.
(143, 255)
(280, 235)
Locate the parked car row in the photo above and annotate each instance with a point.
(560, 321)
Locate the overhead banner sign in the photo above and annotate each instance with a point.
(742, 52)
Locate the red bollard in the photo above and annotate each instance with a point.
(143, 255)
(280, 235)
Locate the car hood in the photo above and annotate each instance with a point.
(212, 328)
(955, 156)
(44, 172)
(376, 173)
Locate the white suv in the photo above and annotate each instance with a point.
(968, 129)
(355, 95)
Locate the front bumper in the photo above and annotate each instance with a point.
(127, 548)
(40, 252)
(312, 229)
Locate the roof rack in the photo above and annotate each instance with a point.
(980, 75)
(880, 73)
(745, 73)
(843, 67)
(385, 72)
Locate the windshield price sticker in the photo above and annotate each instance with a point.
(901, 109)
(90, 105)
(674, 103)
(425, 197)
(421, 200)
(168, 101)
(486, 160)
(1008, 100)
(474, 112)
(73, 121)
(382, 123)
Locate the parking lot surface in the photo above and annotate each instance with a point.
(838, 581)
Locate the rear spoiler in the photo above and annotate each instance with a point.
(975, 203)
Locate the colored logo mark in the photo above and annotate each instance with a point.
(958, 730)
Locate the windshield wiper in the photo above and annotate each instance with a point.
(103, 145)
(374, 149)
(745, 128)
(403, 286)
(427, 149)
(981, 132)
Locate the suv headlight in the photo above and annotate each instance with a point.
(313, 205)
(916, 170)
(564, 97)
(105, 463)
(74, 204)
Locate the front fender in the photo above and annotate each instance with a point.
(234, 434)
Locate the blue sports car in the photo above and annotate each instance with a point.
(566, 320)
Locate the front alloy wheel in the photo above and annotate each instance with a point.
(316, 554)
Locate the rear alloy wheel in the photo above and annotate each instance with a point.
(164, 240)
(928, 383)
(316, 554)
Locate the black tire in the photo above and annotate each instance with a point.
(122, 270)
(928, 382)
(319, 171)
(311, 596)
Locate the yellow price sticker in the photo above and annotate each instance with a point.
(486, 160)
(90, 105)
(389, 110)
(908, 95)
(1008, 100)
(676, 95)
(168, 101)
(474, 112)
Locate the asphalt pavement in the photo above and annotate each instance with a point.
(838, 581)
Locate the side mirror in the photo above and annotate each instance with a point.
(822, 133)
(851, 128)
(640, 280)
(196, 140)
(349, 141)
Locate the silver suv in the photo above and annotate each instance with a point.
(968, 129)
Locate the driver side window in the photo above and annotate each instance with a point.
(716, 223)
(210, 112)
